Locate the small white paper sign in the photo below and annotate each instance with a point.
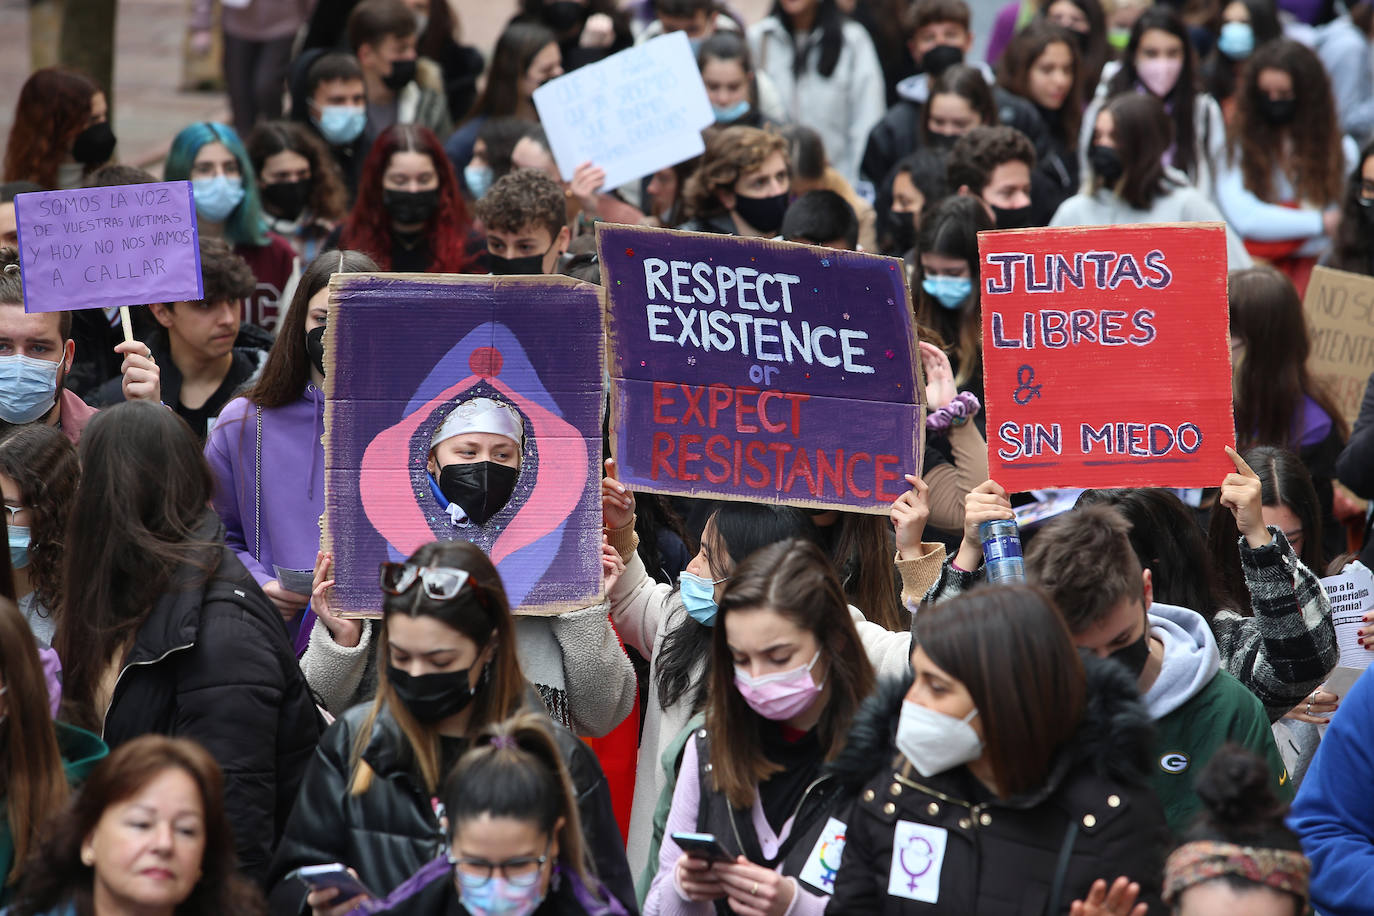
(918, 855)
(824, 862)
(1350, 595)
(631, 114)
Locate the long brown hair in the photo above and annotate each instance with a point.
(328, 197)
(1271, 377)
(35, 786)
(793, 578)
(951, 229)
(54, 106)
(42, 462)
(1011, 649)
(867, 542)
(1316, 167)
(56, 874)
(1142, 132)
(144, 491)
(730, 155)
(1013, 71)
(480, 608)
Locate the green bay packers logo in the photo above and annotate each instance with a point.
(1174, 762)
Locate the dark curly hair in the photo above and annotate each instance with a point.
(42, 462)
(55, 874)
(328, 198)
(54, 106)
(978, 153)
(522, 198)
(226, 276)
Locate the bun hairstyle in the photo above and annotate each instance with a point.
(1240, 837)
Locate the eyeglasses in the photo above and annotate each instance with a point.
(521, 871)
(440, 582)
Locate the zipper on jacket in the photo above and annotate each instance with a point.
(734, 827)
(114, 694)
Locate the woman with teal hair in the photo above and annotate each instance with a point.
(213, 159)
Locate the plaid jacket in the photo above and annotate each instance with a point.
(1281, 654)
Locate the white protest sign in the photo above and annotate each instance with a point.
(631, 114)
(1350, 594)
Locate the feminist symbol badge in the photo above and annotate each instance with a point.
(918, 856)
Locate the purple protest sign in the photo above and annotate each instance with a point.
(102, 247)
(759, 370)
(403, 352)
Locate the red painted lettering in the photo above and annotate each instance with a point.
(684, 457)
(663, 398)
(849, 474)
(659, 454)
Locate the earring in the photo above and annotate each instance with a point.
(87, 858)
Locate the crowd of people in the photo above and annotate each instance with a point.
(833, 711)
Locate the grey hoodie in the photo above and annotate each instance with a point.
(1191, 658)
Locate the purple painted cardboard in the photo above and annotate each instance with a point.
(104, 247)
(402, 351)
(827, 413)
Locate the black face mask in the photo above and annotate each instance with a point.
(1084, 40)
(942, 142)
(1367, 209)
(410, 207)
(1278, 111)
(903, 229)
(1134, 656)
(286, 198)
(1106, 164)
(94, 145)
(314, 347)
(940, 58)
(402, 72)
(481, 488)
(529, 265)
(431, 698)
(763, 213)
(564, 15)
(1018, 218)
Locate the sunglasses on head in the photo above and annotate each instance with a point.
(440, 582)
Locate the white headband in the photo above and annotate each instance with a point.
(481, 415)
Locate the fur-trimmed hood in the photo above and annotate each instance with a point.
(1114, 738)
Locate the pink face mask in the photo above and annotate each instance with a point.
(1159, 74)
(780, 696)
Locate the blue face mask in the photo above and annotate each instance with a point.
(340, 125)
(497, 896)
(217, 197)
(28, 388)
(19, 547)
(698, 597)
(950, 292)
(1237, 40)
(731, 114)
(478, 179)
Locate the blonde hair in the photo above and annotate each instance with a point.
(730, 155)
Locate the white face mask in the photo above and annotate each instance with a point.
(935, 742)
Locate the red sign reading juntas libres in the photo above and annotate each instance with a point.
(1106, 356)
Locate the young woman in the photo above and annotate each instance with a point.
(947, 249)
(1128, 180)
(917, 182)
(740, 95)
(61, 131)
(303, 195)
(515, 837)
(1087, 22)
(1277, 402)
(1241, 27)
(212, 158)
(409, 216)
(526, 57)
(1043, 64)
(787, 675)
(1282, 184)
(741, 186)
(960, 100)
(1005, 775)
(148, 833)
(1353, 247)
(1159, 60)
(1280, 654)
(587, 30)
(446, 650)
(1240, 856)
(38, 474)
(38, 757)
(267, 462)
(826, 72)
(163, 631)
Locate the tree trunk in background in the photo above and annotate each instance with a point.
(45, 26)
(87, 43)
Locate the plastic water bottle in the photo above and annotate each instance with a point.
(1002, 552)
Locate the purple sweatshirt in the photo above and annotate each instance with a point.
(292, 482)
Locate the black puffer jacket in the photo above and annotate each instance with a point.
(213, 662)
(964, 851)
(391, 830)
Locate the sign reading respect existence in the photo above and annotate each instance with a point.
(104, 247)
(631, 114)
(758, 370)
(1106, 356)
(1340, 318)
